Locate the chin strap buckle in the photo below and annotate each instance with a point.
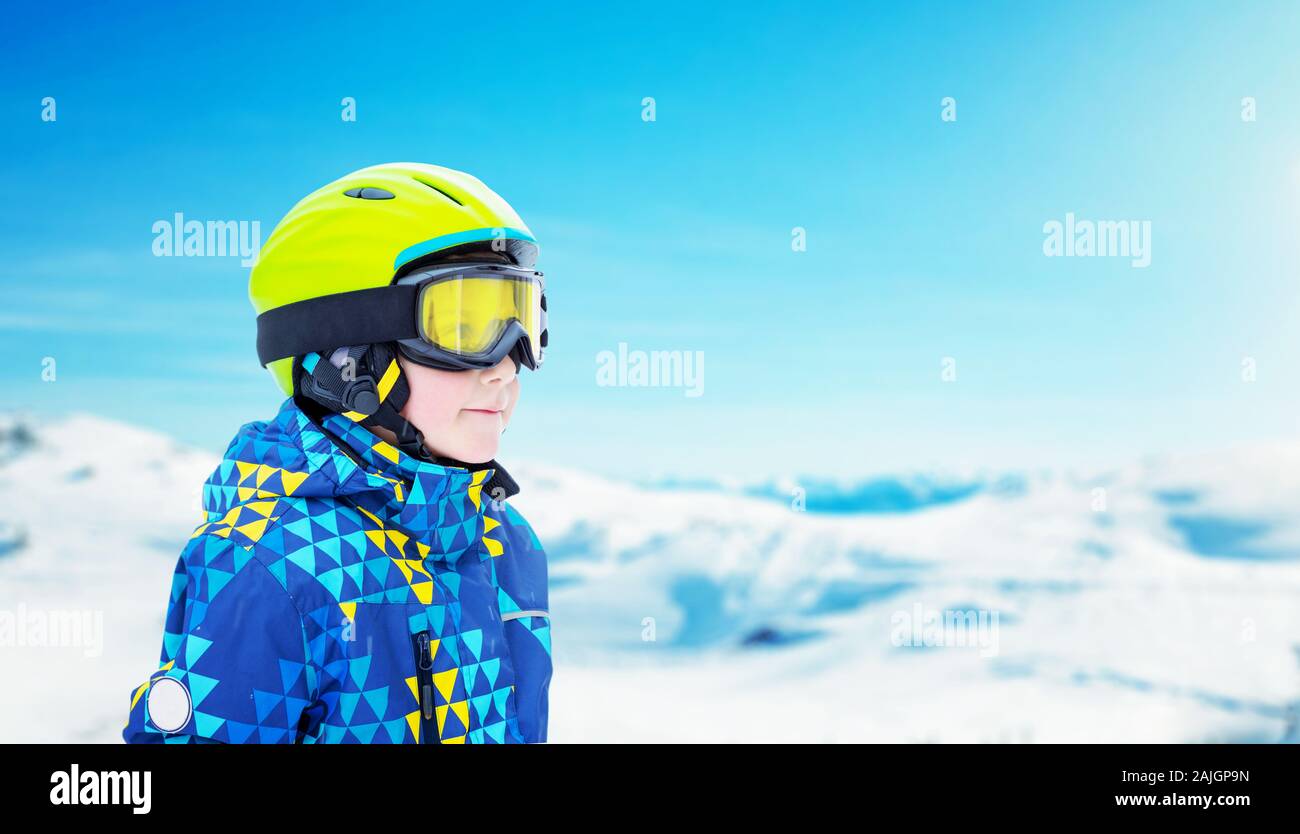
(361, 395)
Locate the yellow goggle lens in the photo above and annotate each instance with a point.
(467, 314)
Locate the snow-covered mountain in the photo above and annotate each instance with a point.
(885, 494)
(1156, 603)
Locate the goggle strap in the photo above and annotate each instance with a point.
(369, 316)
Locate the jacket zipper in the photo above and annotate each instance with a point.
(423, 658)
(424, 686)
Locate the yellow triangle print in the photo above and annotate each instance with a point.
(398, 539)
(386, 450)
(245, 469)
(377, 536)
(292, 480)
(445, 682)
(461, 710)
(254, 529)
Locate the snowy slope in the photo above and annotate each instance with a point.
(101, 511)
(1161, 608)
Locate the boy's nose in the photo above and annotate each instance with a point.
(503, 372)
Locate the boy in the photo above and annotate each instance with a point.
(359, 577)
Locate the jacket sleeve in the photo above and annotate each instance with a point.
(522, 594)
(234, 665)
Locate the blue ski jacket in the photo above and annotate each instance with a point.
(343, 591)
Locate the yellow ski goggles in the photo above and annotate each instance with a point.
(459, 316)
(473, 315)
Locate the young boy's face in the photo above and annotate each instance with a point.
(461, 413)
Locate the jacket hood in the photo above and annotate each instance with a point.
(293, 456)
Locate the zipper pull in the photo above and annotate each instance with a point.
(426, 660)
(426, 664)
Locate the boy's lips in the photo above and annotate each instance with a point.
(483, 410)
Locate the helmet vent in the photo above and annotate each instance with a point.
(369, 194)
(439, 190)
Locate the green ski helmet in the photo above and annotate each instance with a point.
(362, 229)
(348, 268)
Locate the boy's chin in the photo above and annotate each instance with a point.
(481, 452)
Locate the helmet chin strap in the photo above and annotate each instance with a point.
(411, 441)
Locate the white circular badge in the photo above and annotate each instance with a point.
(169, 704)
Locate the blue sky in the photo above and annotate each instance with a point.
(924, 237)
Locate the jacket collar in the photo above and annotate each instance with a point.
(335, 459)
(441, 505)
